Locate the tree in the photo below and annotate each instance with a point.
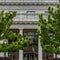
(49, 32)
(6, 20)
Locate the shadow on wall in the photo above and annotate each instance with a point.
(5, 58)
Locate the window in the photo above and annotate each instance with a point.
(46, 14)
(30, 14)
(33, 36)
(46, 11)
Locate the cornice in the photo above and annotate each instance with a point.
(25, 22)
(28, 3)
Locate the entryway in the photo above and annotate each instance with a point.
(30, 56)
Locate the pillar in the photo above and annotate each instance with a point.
(21, 51)
(39, 50)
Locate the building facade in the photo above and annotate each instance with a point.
(25, 23)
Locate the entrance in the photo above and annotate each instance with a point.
(31, 51)
(30, 56)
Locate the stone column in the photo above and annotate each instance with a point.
(21, 51)
(6, 54)
(39, 51)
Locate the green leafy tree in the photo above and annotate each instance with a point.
(6, 20)
(49, 30)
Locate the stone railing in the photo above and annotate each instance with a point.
(29, 0)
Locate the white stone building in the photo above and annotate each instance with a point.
(25, 23)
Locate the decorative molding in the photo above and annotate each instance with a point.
(28, 3)
(25, 22)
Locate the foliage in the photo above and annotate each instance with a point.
(6, 20)
(49, 30)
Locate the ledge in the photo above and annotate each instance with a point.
(25, 22)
